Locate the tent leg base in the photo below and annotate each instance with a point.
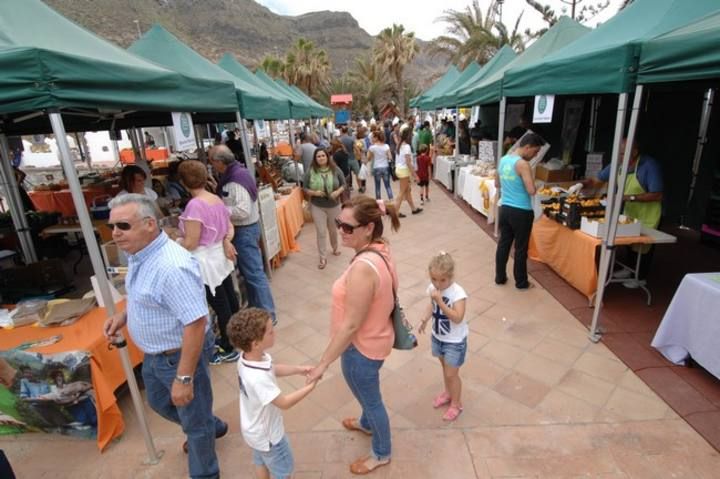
(596, 336)
(154, 461)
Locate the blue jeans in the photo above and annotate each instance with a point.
(250, 264)
(384, 173)
(197, 419)
(363, 377)
(278, 460)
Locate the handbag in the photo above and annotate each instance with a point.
(404, 338)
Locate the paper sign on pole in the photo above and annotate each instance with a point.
(184, 132)
(543, 111)
(261, 128)
(268, 218)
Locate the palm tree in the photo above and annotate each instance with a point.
(370, 86)
(394, 49)
(273, 66)
(469, 37)
(307, 67)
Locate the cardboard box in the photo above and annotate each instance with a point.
(113, 255)
(597, 229)
(553, 176)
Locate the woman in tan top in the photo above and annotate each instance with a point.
(361, 331)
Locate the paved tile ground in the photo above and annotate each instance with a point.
(541, 400)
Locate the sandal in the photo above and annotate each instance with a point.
(360, 468)
(322, 264)
(336, 253)
(352, 424)
(402, 215)
(452, 413)
(417, 210)
(441, 400)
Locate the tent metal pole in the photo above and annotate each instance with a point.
(12, 194)
(139, 150)
(616, 190)
(457, 131)
(291, 133)
(270, 129)
(501, 133)
(701, 140)
(165, 137)
(246, 144)
(99, 269)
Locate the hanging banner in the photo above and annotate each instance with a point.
(184, 132)
(543, 111)
(261, 128)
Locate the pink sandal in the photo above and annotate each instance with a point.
(452, 413)
(441, 400)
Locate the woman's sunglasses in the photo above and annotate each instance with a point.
(346, 228)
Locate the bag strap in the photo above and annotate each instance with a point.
(387, 266)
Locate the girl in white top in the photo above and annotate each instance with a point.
(379, 156)
(449, 330)
(405, 172)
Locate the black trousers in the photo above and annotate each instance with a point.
(225, 303)
(515, 225)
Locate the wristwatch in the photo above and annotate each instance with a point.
(633, 197)
(184, 379)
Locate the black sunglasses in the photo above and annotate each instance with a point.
(346, 228)
(122, 225)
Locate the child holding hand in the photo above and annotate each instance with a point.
(449, 330)
(251, 331)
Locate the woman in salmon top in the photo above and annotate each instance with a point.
(361, 331)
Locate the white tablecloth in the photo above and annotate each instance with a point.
(691, 325)
(444, 170)
(470, 188)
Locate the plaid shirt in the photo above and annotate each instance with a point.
(165, 294)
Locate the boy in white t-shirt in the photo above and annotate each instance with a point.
(449, 330)
(251, 331)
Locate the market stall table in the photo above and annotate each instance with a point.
(290, 221)
(572, 253)
(477, 191)
(444, 166)
(105, 367)
(62, 201)
(100, 227)
(688, 329)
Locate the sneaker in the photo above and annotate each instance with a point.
(230, 357)
(427, 199)
(217, 359)
(622, 274)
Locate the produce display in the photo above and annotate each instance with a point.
(569, 210)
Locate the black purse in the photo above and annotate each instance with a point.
(404, 338)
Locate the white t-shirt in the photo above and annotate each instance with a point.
(443, 328)
(380, 155)
(401, 159)
(150, 193)
(260, 420)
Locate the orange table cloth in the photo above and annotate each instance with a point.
(290, 221)
(571, 253)
(105, 366)
(62, 200)
(127, 156)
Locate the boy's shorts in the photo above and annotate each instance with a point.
(453, 354)
(278, 460)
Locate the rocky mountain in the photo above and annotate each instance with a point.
(243, 27)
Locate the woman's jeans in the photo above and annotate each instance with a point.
(363, 377)
(384, 173)
(225, 303)
(250, 264)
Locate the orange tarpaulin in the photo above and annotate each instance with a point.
(62, 200)
(571, 253)
(290, 221)
(127, 156)
(105, 366)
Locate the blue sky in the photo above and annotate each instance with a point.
(374, 15)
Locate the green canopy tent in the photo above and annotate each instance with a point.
(237, 69)
(322, 110)
(606, 61)
(686, 54)
(54, 72)
(492, 87)
(447, 79)
(162, 47)
(299, 108)
(442, 99)
(505, 55)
